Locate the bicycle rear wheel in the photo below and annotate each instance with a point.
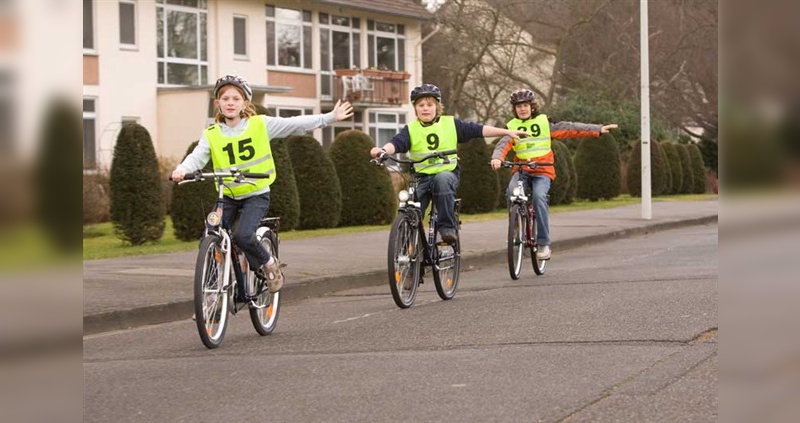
(264, 310)
(539, 266)
(210, 297)
(447, 271)
(403, 261)
(516, 241)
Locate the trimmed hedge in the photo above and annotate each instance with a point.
(57, 174)
(367, 194)
(686, 163)
(572, 192)
(190, 204)
(658, 169)
(675, 167)
(137, 203)
(284, 200)
(598, 167)
(503, 177)
(698, 169)
(317, 183)
(479, 186)
(559, 189)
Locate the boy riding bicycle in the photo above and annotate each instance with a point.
(537, 148)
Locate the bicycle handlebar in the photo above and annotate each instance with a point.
(440, 154)
(531, 165)
(233, 173)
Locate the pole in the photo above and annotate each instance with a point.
(647, 203)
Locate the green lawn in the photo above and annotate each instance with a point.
(99, 241)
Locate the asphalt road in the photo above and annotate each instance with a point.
(619, 331)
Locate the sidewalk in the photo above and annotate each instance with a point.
(134, 291)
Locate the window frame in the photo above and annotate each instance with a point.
(92, 16)
(201, 12)
(90, 116)
(375, 125)
(328, 70)
(246, 54)
(135, 44)
(303, 67)
(372, 44)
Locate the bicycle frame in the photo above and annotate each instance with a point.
(519, 196)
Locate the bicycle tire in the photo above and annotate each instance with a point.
(539, 266)
(210, 299)
(403, 260)
(265, 309)
(446, 280)
(516, 241)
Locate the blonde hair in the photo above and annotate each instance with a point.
(439, 106)
(248, 111)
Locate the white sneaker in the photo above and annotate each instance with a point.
(543, 253)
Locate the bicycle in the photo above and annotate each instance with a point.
(222, 272)
(406, 260)
(522, 224)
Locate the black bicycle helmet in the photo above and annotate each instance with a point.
(426, 90)
(522, 95)
(236, 82)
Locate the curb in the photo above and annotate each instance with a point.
(181, 310)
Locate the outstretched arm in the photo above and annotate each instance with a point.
(492, 131)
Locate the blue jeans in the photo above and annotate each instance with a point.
(250, 210)
(539, 185)
(443, 186)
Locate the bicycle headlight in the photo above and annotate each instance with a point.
(213, 218)
(403, 196)
(516, 192)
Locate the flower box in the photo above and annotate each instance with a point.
(346, 72)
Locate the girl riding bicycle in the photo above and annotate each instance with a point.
(240, 139)
(537, 148)
(432, 132)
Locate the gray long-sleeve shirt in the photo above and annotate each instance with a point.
(277, 127)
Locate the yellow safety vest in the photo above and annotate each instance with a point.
(538, 144)
(441, 136)
(248, 152)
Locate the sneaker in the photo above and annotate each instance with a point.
(543, 253)
(274, 276)
(448, 235)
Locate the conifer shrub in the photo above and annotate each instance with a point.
(598, 167)
(503, 177)
(284, 200)
(675, 167)
(698, 169)
(687, 184)
(572, 192)
(317, 183)
(559, 189)
(658, 169)
(367, 194)
(137, 203)
(190, 204)
(57, 175)
(479, 187)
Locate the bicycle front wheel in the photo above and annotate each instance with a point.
(210, 297)
(404, 261)
(447, 270)
(539, 266)
(264, 310)
(516, 241)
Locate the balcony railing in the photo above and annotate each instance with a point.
(371, 88)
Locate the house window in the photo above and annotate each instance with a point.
(385, 125)
(330, 132)
(89, 146)
(88, 25)
(288, 37)
(340, 47)
(386, 44)
(286, 112)
(240, 36)
(182, 44)
(127, 23)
